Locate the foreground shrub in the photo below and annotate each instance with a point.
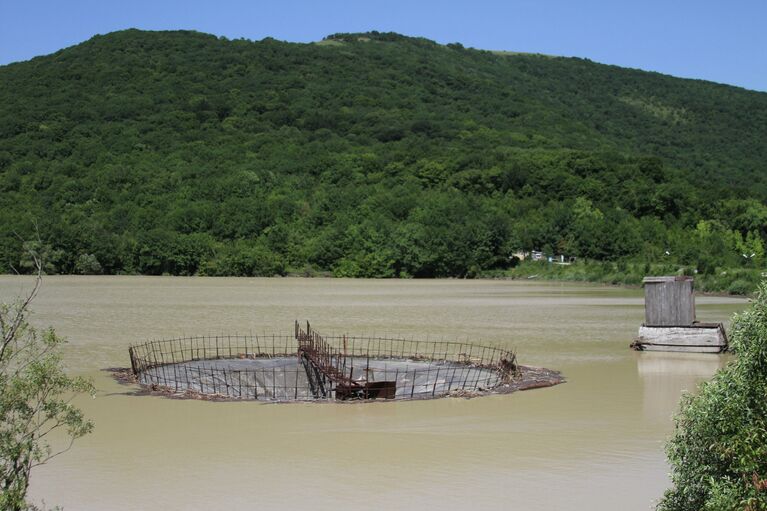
(35, 400)
(718, 452)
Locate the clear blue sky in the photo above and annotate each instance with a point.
(722, 41)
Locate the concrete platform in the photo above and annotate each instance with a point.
(284, 378)
(697, 338)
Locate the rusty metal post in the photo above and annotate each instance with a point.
(132, 361)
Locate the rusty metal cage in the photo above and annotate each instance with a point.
(308, 366)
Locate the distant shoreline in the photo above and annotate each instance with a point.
(486, 276)
(722, 282)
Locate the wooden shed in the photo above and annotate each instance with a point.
(670, 323)
(669, 301)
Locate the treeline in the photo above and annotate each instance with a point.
(367, 155)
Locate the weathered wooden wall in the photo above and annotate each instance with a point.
(703, 339)
(669, 301)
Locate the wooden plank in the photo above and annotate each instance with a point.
(686, 349)
(681, 335)
(695, 339)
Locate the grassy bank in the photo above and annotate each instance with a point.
(737, 281)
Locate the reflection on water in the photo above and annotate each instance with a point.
(665, 376)
(594, 443)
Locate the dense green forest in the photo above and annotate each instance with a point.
(368, 155)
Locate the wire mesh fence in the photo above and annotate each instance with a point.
(276, 368)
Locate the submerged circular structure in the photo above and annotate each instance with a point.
(307, 366)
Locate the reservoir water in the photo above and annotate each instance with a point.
(593, 443)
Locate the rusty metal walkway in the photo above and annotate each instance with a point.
(326, 367)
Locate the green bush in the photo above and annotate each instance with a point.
(244, 259)
(718, 452)
(740, 287)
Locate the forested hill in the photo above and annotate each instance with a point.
(367, 155)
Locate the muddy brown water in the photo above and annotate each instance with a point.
(594, 443)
